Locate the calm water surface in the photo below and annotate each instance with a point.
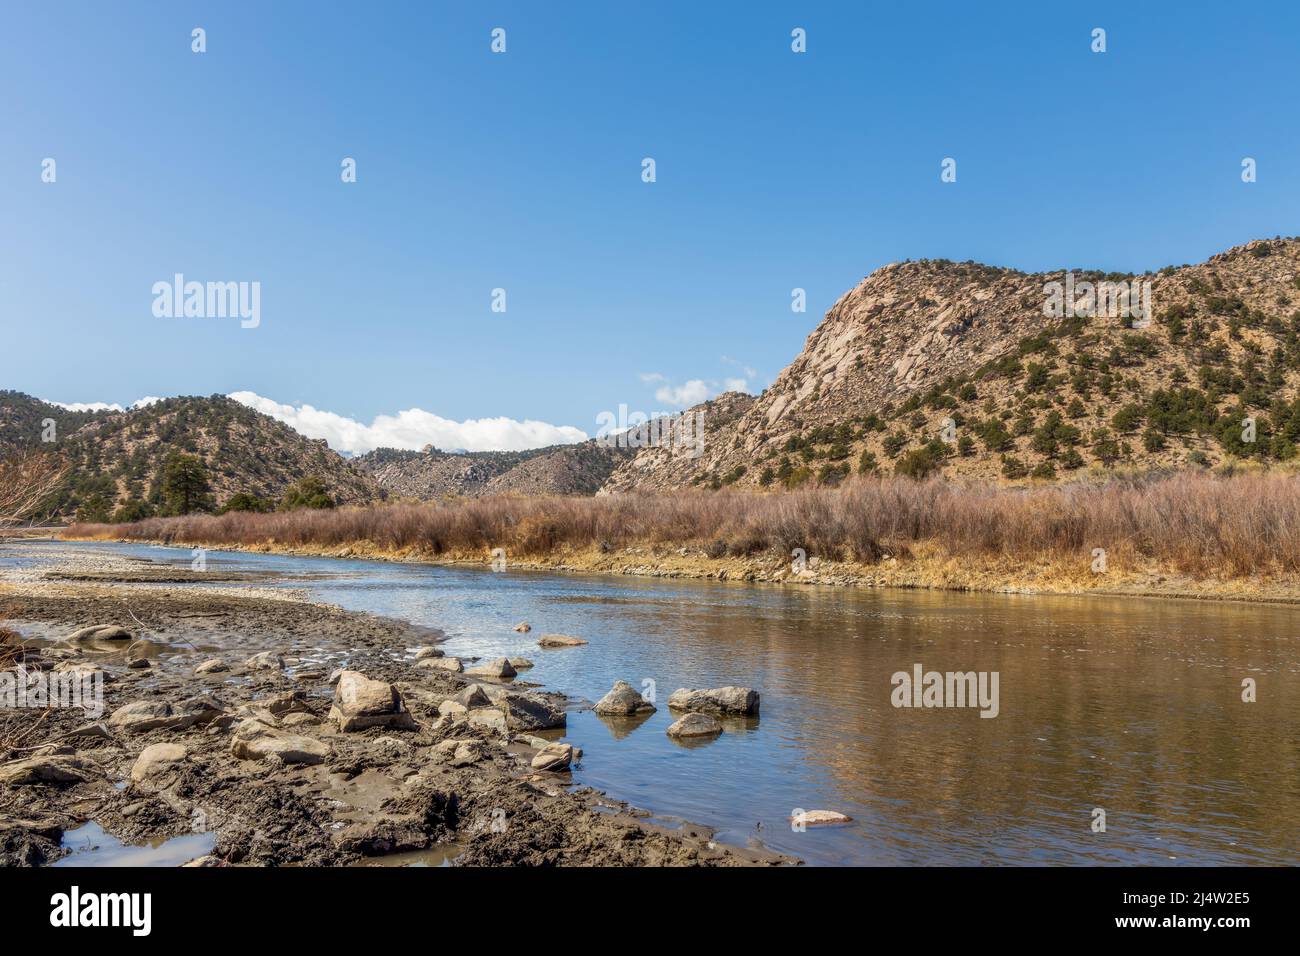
(1130, 705)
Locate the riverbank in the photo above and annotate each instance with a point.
(1184, 534)
(217, 719)
(924, 567)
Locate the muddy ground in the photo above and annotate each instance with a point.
(378, 794)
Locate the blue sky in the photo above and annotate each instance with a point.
(522, 171)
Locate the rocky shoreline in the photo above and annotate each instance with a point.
(291, 733)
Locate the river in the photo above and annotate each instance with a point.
(1127, 705)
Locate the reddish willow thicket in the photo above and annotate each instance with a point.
(1197, 522)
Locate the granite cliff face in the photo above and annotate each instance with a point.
(956, 367)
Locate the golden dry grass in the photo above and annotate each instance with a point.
(1198, 524)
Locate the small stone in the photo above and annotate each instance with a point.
(623, 701)
(138, 664)
(424, 653)
(265, 661)
(520, 663)
(452, 664)
(84, 670)
(695, 725)
(523, 627)
(817, 818)
(553, 757)
(559, 640)
(499, 668)
(213, 666)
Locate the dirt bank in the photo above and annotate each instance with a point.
(925, 566)
(426, 780)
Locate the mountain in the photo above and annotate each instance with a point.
(120, 455)
(673, 462)
(23, 420)
(578, 469)
(937, 366)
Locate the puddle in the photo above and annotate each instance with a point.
(91, 846)
(440, 855)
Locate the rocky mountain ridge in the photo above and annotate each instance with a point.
(937, 366)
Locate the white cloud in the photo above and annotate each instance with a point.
(692, 393)
(102, 406)
(89, 406)
(698, 390)
(412, 429)
(749, 372)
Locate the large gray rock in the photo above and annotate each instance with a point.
(501, 668)
(452, 664)
(473, 696)
(146, 715)
(52, 770)
(101, 632)
(528, 712)
(623, 701)
(200, 709)
(695, 725)
(470, 698)
(424, 653)
(554, 757)
(254, 740)
(727, 701)
(158, 759)
(143, 716)
(487, 718)
(360, 702)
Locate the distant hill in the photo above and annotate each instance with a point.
(429, 475)
(120, 455)
(23, 418)
(954, 368)
(676, 462)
